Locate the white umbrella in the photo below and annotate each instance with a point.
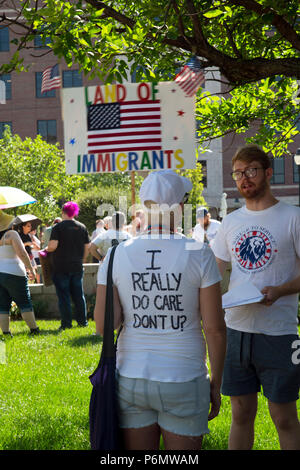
(14, 197)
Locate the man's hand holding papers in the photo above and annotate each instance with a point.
(242, 294)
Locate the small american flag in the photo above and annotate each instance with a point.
(50, 79)
(190, 77)
(124, 126)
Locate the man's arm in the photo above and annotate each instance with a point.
(222, 265)
(85, 252)
(52, 245)
(272, 293)
(93, 249)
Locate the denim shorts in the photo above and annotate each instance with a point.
(256, 360)
(178, 407)
(14, 288)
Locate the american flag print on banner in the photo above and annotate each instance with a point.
(191, 77)
(128, 127)
(50, 79)
(124, 126)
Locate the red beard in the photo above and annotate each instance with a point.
(250, 190)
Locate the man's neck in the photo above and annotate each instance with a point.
(261, 203)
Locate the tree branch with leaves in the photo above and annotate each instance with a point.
(251, 42)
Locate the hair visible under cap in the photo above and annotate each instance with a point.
(251, 153)
(71, 209)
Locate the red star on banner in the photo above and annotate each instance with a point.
(180, 112)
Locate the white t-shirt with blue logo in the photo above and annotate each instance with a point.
(158, 282)
(264, 249)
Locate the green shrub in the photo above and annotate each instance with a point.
(89, 202)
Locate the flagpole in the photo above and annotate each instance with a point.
(133, 197)
(61, 100)
(61, 86)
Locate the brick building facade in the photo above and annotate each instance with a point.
(27, 111)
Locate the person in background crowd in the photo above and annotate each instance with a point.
(47, 231)
(138, 223)
(117, 234)
(262, 242)
(206, 228)
(14, 261)
(69, 243)
(36, 246)
(165, 293)
(107, 222)
(99, 229)
(24, 230)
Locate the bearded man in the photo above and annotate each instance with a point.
(262, 242)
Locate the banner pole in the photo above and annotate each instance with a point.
(133, 198)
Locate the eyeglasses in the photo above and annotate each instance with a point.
(249, 173)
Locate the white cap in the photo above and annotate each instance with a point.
(164, 187)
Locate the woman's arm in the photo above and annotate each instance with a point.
(99, 311)
(36, 243)
(19, 248)
(215, 333)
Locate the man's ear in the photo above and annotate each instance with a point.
(269, 173)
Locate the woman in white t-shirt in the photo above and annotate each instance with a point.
(163, 382)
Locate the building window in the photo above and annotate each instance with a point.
(204, 172)
(41, 43)
(296, 169)
(7, 80)
(2, 127)
(38, 86)
(4, 39)
(72, 78)
(278, 171)
(47, 129)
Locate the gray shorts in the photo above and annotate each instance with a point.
(256, 360)
(178, 407)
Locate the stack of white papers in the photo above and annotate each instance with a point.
(242, 294)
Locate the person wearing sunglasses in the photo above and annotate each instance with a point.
(261, 240)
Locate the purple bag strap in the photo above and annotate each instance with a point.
(108, 346)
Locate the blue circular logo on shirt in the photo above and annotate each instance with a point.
(253, 250)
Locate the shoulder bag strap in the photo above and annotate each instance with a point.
(108, 347)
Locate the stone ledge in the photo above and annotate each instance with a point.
(41, 294)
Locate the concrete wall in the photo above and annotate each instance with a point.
(45, 298)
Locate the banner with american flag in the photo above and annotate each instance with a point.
(50, 79)
(128, 127)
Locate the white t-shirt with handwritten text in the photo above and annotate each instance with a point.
(264, 249)
(158, 281)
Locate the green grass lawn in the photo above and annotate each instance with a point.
(45, 392)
